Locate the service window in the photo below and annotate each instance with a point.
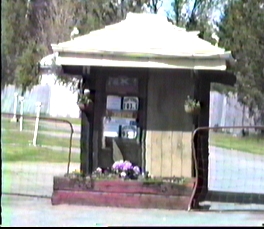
(122, 105)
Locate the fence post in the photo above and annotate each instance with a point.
(38, 104)
(21, 99)
(14, 119)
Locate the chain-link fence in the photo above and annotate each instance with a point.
(229, 168)
(34, 151)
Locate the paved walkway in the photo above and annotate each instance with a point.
(33, 212)
(236, 171)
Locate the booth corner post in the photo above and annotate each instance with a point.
(87, 129)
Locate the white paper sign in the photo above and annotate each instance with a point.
(111, 130)
(122, 121)
(113, 102)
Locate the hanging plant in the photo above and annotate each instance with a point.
(84, 101)
(192, 106)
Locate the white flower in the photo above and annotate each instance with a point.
(136, 170)
(123, 174)
(99, 170)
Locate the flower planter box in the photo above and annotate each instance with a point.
(119, 193)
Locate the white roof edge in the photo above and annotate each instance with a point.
(48, 60)
(179, 63)
(225, 55)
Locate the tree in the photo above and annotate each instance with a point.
(29, 27)
(21, 50)
(154, 5)
(26, 69)
(240, 30)
(57, 18)
(195, 15)
(13, 37)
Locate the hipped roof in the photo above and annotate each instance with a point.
(142, 40)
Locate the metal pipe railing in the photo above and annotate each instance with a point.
(31, 117)
(206, 128)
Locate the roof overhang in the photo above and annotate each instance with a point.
(216, 62)
(145, 41)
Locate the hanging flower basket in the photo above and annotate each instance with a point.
(192, 110)
(84, 102)
(87, 108)
(192, 106)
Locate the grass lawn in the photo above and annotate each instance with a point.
(76, 121)
(42, 139)
(15, 143)
(251, 144)
(29, 124)
(11, 153)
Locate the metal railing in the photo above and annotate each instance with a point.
(26, 163)
(228, 168)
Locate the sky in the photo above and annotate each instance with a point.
(166, 6)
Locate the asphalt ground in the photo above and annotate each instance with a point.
(20, 211)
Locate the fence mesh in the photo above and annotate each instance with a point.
(30, 161)
(229, 168)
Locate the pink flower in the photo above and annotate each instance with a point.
(127, 165)
(118, 165)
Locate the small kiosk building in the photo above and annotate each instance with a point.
(140, 72)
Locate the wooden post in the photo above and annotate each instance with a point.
(84, 143)
(87, 128)
(87, 143)
(90, 142)
(201, 139)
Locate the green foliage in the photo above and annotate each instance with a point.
(251, 144)
(14, 34)
(241, 31)
(26, 70)
(15, 143)
(29, 28)
(195, 15)
(21, 50)
(84, 98)
(192, 103)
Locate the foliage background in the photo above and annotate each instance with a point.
(29, 27)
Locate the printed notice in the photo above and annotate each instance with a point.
(113, 102)
(130, 103)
